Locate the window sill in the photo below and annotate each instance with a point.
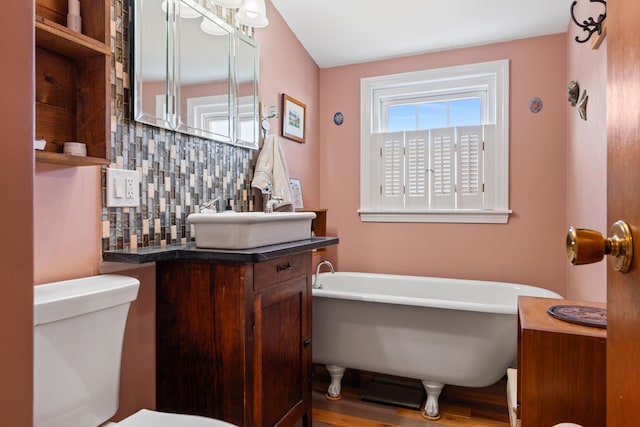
(453, 216)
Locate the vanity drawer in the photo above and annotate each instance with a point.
(270, 273)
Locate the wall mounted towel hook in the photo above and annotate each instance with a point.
(589, 25)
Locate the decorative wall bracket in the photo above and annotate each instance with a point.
(590, 25)
(265, 115)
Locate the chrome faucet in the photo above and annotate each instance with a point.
(210, 206)
(315, 284)
(271, 203)
(269, 200)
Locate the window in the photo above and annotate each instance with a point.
(209, 116)
(434, 145)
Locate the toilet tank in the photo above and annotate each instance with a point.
(78, 332)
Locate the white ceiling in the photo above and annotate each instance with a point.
(341, 32)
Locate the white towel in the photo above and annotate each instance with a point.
(271, 168)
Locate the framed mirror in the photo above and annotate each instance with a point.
(151, 78)
(246, 78)
(193, 73)
(203, 74)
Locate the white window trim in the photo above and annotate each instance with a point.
(374, 90)
(200, 110)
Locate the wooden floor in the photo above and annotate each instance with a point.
(459, 406)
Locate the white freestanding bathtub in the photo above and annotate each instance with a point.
(441, 331)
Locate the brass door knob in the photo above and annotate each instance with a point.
(588, 246)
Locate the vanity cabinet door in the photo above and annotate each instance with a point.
(233, 341)
(201, 335)
(282, 354)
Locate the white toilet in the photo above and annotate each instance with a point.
(78, 332)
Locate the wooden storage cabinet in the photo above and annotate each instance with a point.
(318, 224)
(561, 367)
(234, 340)
(72, 98)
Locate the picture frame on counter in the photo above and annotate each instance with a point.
(296, 193)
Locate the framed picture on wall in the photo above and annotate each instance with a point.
(293, 118)
(296, 193)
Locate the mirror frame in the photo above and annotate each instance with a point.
(169, 119)
(139, 113)
(212, 104)
(252, 108)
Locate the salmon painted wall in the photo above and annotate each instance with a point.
(16, 187)
(587, 156)
(286, 67)
(530, 248)
(67, 226)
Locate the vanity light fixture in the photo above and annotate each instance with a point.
(183, 12)
(253, 13)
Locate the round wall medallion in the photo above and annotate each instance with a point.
(338, 118)
(535, 105)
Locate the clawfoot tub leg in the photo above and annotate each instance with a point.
(335, 388)
(431, 408)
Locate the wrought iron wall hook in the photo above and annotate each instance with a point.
(589, 25)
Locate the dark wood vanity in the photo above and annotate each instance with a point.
(233, 330)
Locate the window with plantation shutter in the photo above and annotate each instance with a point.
(432, 169)
(434, 145)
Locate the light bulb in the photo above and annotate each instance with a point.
(253, 13)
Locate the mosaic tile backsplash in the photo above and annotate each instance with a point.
(177, 172)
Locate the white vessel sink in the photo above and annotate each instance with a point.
(244, 230)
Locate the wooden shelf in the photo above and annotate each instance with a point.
(68, 160)
(72, 82)
(58, 38)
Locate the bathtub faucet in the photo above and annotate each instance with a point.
(315, 278)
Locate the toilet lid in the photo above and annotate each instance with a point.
(146, 418)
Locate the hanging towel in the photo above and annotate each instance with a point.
(271, 168)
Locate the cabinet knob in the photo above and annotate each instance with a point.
(307, 342)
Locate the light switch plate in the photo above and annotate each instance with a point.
(123, 188)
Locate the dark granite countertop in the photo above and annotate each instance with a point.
(189, 251)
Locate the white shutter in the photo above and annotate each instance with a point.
(469, 173)
(391, 169)
(416, 168)
(442, 168)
